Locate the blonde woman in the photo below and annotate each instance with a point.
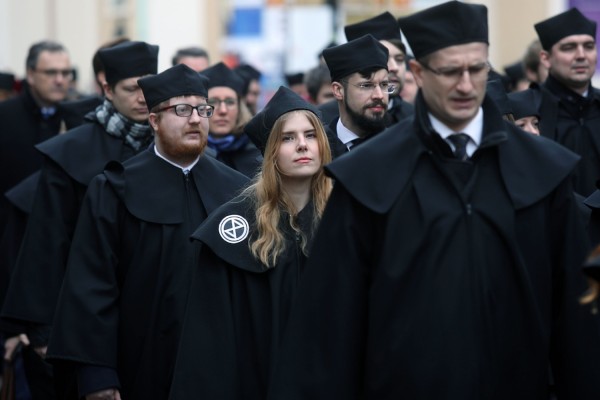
(252, 254)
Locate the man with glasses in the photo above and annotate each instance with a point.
(226, 136)
(32, 117)
(119, 316)
(361, 86)
(115, 130)
(454, 271)
(384, 28)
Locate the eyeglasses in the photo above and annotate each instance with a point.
(476, 71)
(369, 87)
(216, 103)
(185, 110)
(53, 73)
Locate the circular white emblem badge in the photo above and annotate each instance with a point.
(234, 229)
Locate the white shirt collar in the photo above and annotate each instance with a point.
(345, 134)
(474, 130)
(185, 169)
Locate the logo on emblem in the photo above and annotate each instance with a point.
(234, 229)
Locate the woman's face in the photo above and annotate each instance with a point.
(225, 102)
(298, 155)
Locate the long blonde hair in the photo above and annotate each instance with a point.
(269, 199)
(594, 286)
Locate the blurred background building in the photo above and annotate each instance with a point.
(275, 36)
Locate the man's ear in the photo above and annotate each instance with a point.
(545, 58)
(338, 90)
(153, 120)
(417, 69)
(108, 91)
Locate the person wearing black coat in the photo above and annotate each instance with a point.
(32, 116)
(361, 88)
(226, 137)
(569, 105)
(119, 314)
(115, 130)
(448, 260)
(244, 286)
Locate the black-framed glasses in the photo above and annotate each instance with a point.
(216, 103)
(455, 74)
(185, 110)
(53, 73)
(369, 87)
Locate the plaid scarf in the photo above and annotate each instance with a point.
(135, 135)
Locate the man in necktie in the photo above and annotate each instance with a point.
(460, 142)
(429, 269)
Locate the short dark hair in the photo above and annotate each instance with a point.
(399, 44)
(37, 48)
(188, 52)
(366, 73)
(315, 78)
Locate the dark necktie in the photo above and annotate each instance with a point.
(460, 140)
(355, 142)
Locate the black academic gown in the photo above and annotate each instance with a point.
(22, 127)
(237, 309)
(71, 160)
(399, 111)
(574, 122)
(122, 301)
(422, 287)
(246, 160)
(20, 199)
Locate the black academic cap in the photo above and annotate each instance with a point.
(515, 71)
(128, 60)
(356, 55)
(329, 45)
(220, 75)
(572, 22)
(179, 80)
(448, 24)
(283, 101)
(7, 81)
(248, 72)
(495, 89)
(523, 104)
(382, 27)
(294, 79)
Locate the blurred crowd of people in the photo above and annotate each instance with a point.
(388, 225)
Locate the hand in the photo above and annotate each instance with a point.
(41, 351)
(106, 394)
(11, 344)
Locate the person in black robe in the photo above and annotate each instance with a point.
(32, 116)
(569, 105)
(385, 29)
(115, 130)
(119, 314)
(244, 285)
(226, 136)
(361, 88)
(445, 268)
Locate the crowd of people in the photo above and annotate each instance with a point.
(389, 225)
